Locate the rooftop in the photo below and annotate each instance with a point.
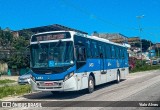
(54, 27)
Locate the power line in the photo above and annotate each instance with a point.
(151, 34)
(82, 10)
(96, 17)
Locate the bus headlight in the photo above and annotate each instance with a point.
(68, 76)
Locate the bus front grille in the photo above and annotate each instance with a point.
(49, 87)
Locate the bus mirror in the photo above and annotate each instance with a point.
(28, 46)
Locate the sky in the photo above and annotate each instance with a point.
(102, 16)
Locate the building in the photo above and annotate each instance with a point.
(158, 45)
(134, 51)
(114, 37)
(54, 27)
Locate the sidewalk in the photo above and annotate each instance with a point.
(9, 77)
(3, 77)
(9, 84)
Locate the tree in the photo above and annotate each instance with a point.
(19, 56)
(26, 34)
(20, 43)
(6, 38)
(16, 47)
(146, 44)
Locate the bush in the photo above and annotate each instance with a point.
(139, 67)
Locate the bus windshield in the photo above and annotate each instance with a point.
(53, 54)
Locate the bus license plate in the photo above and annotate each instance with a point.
(49, 83)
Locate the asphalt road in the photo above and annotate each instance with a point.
(142, 86)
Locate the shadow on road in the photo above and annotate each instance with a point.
(64, 95)
(107, 84)
(50, 96)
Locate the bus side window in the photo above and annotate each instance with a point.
(80, 43)
(101, 51)
(126, 54)
(120, 53)
(94, 49)
(81, 54)
(88, 49)
(116, 52)
(123, 53)
(108, 51)
(113, 51)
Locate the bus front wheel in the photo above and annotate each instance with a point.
(90, 84)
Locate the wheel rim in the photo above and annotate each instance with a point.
(91, 85)
(118, 78)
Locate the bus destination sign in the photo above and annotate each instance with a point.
(50, 37)
(54, 36)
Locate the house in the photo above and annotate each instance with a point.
(30, 31)
(114, 37)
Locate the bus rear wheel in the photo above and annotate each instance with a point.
(90, 84)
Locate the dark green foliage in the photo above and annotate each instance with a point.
(19, 56)
(18, 59)
(26, 34)
(20, 43)
(6, 38)
(16, 46)
(145, 44)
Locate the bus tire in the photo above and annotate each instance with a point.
(118, 77)
(90, 84)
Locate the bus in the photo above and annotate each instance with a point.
(72, 61)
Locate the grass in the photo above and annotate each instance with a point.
(6, 81)
(14, 90)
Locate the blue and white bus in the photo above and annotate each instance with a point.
(71, 61)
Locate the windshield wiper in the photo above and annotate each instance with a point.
(39, 45)
(59, 42)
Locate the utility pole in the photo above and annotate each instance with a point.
(150, 54)
(140, 30)
(158, 51)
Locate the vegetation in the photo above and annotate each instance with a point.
(13, 91)
(16, 46)
(19, 58)
(145, 44)
(6, 38)
(6, 81)
(158, 52)
(145, 67)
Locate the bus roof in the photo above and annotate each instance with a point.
(86, 36)
(105, 40)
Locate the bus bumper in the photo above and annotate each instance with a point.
(68, 85)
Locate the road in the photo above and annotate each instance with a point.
(142, 86)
